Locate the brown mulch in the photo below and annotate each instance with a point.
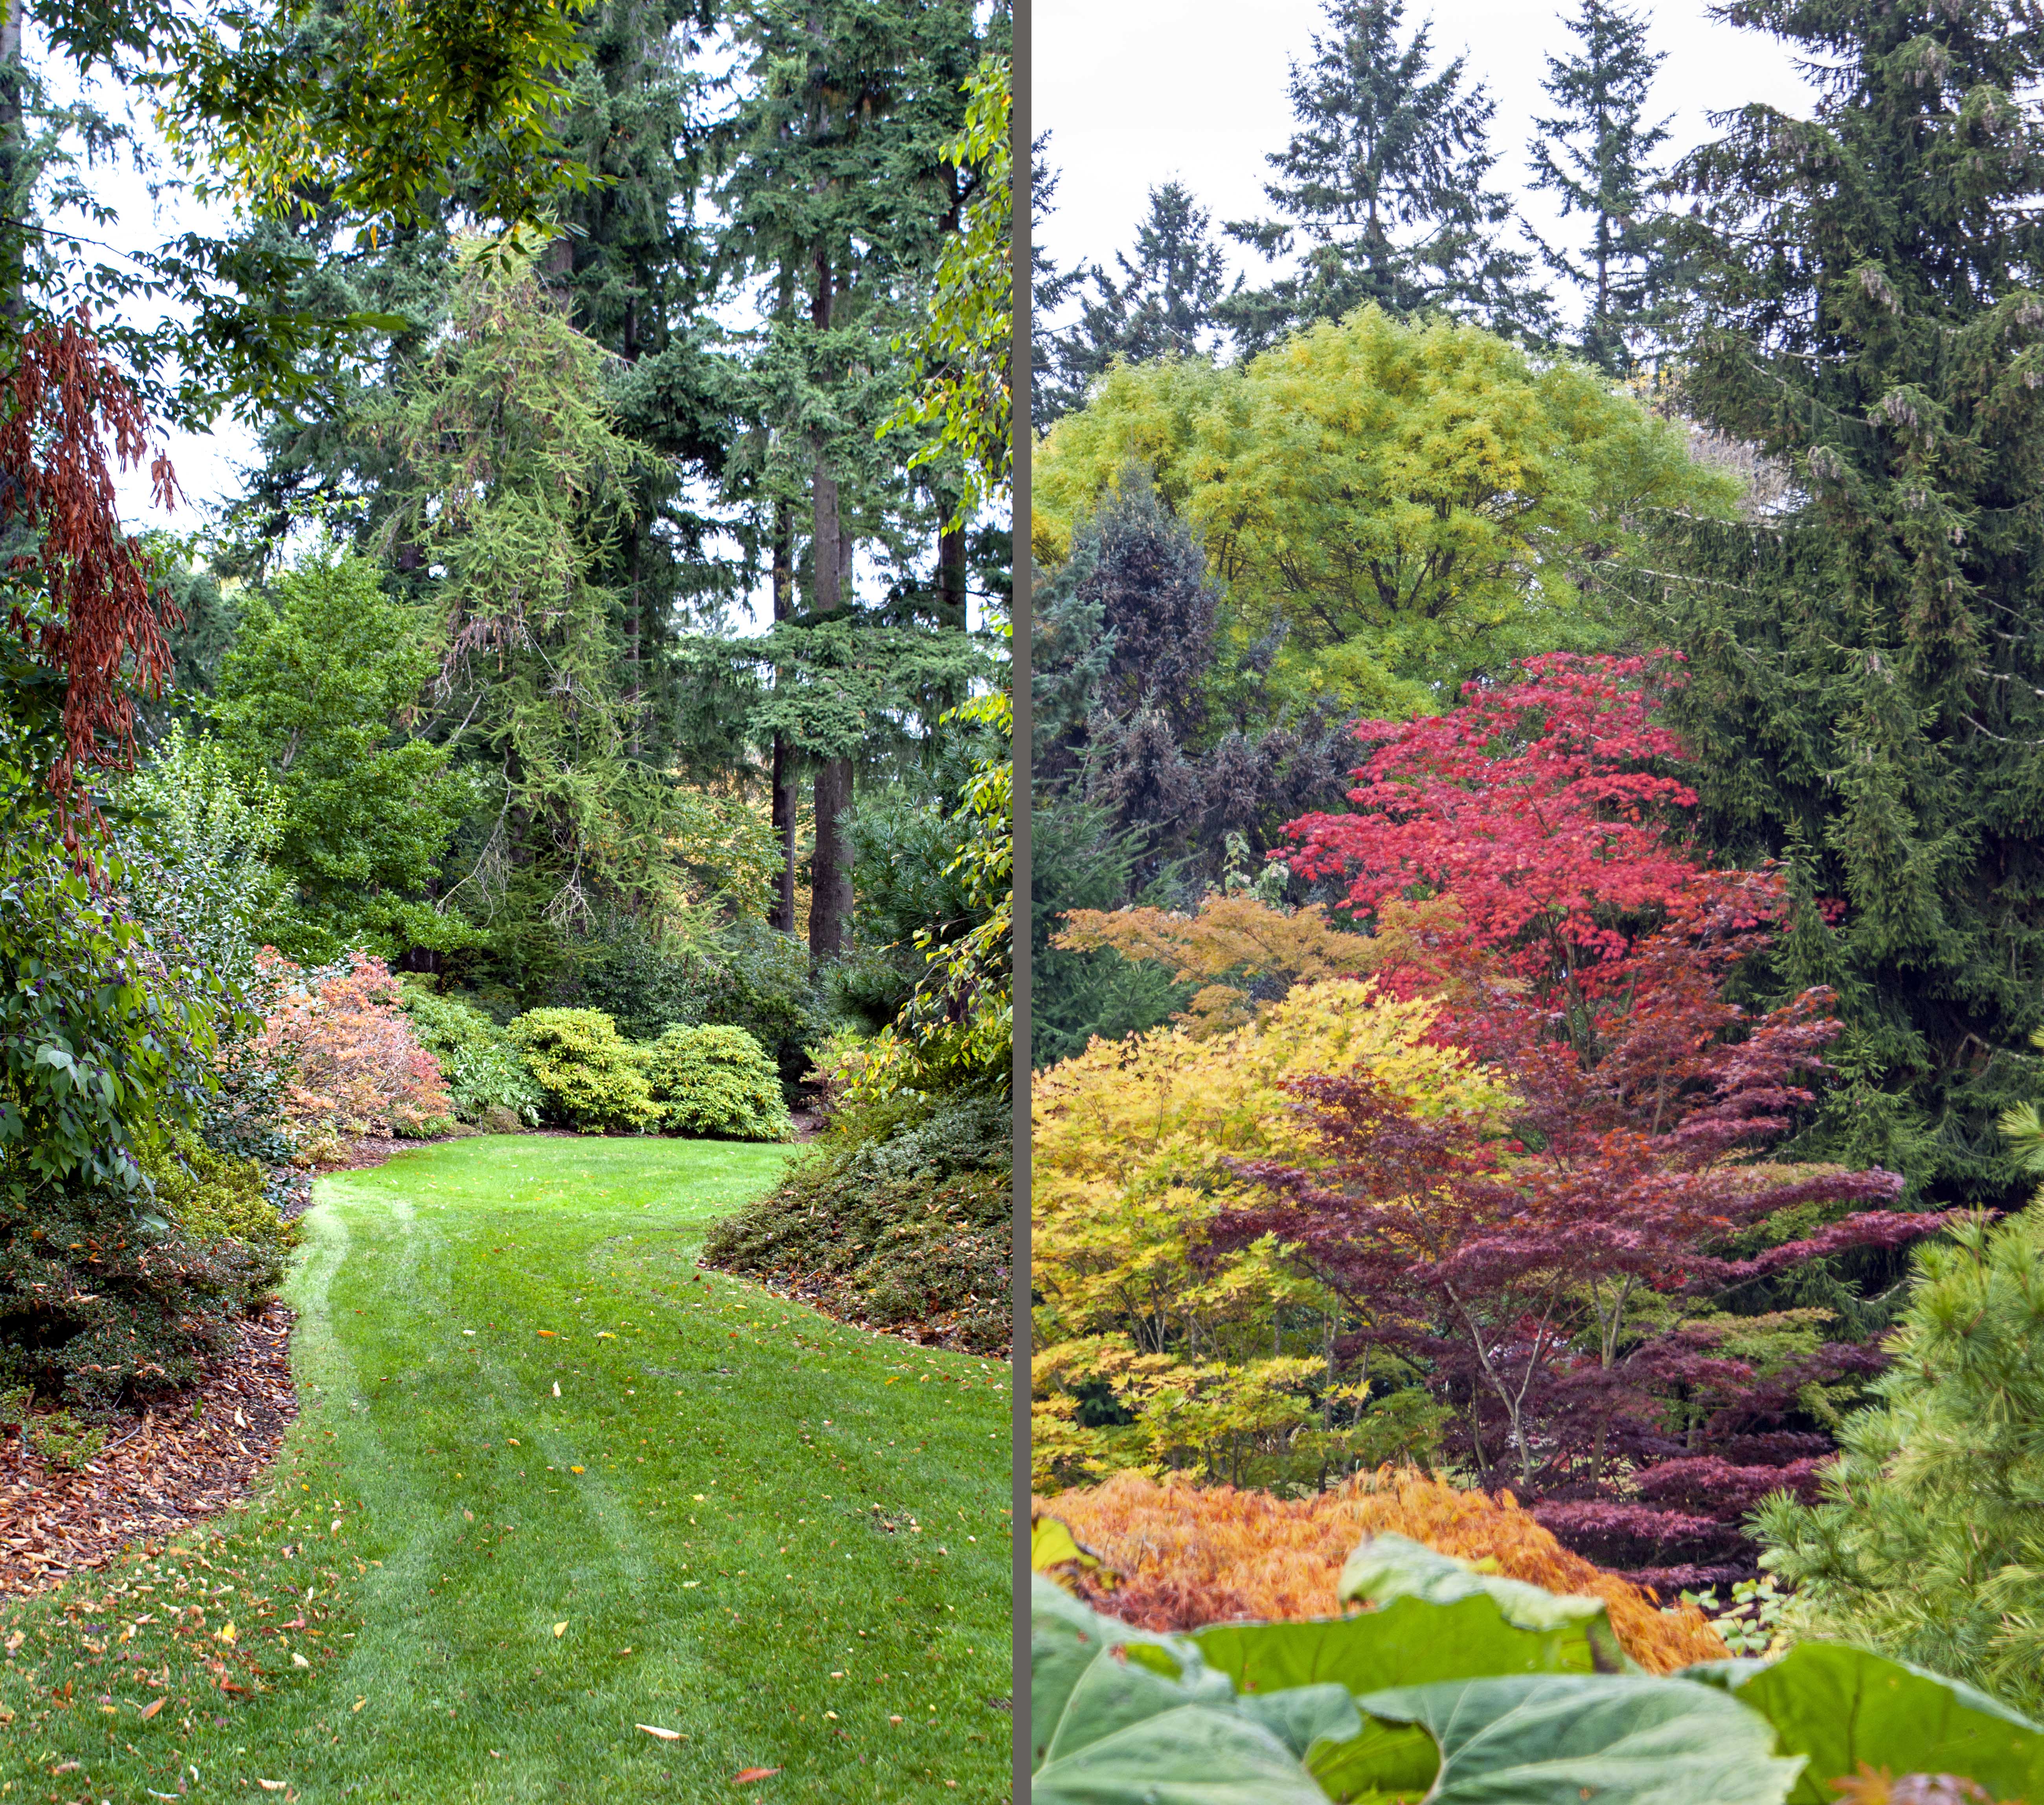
(158, 1474)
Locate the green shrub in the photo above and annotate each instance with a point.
(595, 1079)
(103, 1299)
(484, 1069)
(207, 1196)
(718, 1082)
(1925, 1542)
(746, 976)
(901, 1223)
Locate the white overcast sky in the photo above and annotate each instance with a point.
(1135, 93)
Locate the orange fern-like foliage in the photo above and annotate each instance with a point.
(1182, 1555)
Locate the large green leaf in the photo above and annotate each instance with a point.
(1385, 1568)
(1194, 1755)
(1558, 1739)
(1436, 1618)
(1842, 1706)
(1118, 1716)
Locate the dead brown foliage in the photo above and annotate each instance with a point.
(161, 1472)
(1186, 1556)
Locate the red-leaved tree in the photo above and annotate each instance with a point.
(85, 610)
(1544, 805)
(1538, 1280)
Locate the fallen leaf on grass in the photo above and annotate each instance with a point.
(15, 1640)
(299, 1660)
(270, 1785)
(547, 1333)
(557, 1387)
(664, 1735)
(560, 1629)
(150, 1710)
(574, 1470)
(358, 1704)
(746, 1774)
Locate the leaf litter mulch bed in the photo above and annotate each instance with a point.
(184, 1459)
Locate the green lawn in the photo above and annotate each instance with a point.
(551, 1483)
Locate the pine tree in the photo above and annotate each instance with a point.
(1925, 1544)
(1382, 189)
(1595, 155)
(1165, 305)
(1866, 690)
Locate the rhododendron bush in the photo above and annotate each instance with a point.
(354, 1059)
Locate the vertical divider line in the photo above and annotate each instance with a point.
(1021, 136)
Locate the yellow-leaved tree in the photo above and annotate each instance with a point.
(1153, 1353)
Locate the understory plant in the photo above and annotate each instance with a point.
(717, 1081)
(903, 1221)
(594, 1078)
(355, 1062)
(487, 1078)
(206, 1196)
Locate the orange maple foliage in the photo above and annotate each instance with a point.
(1185, 1555)
(1235, 943)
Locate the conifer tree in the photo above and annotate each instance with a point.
(1382, 189)
(1866, 689)
(1595, 155)
(1164, 305)
(838, 192)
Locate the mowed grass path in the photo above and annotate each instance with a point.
(783, 1539)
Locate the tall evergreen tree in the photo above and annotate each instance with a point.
(1382, 190)
(1866, 687)
(1165, 304)
(837, 196)
(1595, 155)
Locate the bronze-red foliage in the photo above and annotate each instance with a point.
(1180, 1555)
(95, 619)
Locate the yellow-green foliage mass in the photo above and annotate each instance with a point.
(1150, 1357)
(1416, 501)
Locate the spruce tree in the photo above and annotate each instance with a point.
(1382, 190)
(1595, 155)
(1866, 688)
(1164, 305)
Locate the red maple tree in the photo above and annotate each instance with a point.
(1544, 805)
(1592, 951)
(88, 612)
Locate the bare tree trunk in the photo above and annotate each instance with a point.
(951, 577)
(830, 870)
(784, 758)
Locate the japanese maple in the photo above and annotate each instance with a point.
(355, 1059)
(1521, 1273)
(87, 610)
(1544, 805)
